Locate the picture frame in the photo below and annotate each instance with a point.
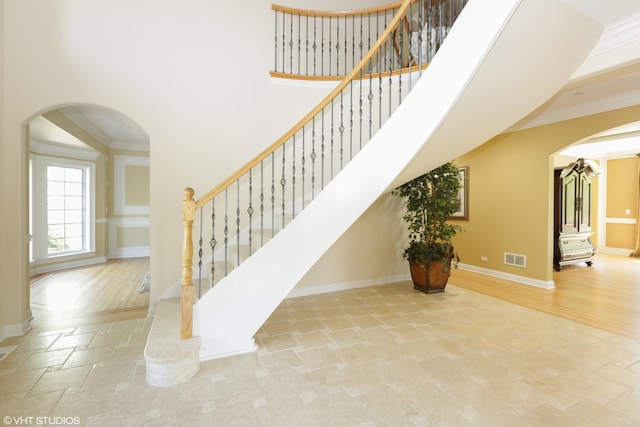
(463, 195)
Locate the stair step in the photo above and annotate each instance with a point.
(169, 359)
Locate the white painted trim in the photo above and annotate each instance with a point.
(14, 330)
(119, 184)
(610, 220)
(344, 286)
(508, 276)
(36, 269)
(127, 252)
(47, 149)
(213, 352)
(618, 34)
(614, 251)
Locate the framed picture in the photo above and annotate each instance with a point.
(463, 195)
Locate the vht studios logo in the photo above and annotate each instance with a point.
(41, 421)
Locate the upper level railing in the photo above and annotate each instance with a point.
(327, 45)
(243, 212)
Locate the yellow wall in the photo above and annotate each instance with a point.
(622, 193)
(510, 193)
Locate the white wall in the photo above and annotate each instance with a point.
(192, 73)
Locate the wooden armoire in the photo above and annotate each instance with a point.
(573, 212)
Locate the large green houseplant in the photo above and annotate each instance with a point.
(429, 201)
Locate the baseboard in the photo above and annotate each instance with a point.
(15, 330)
(137, 252)
(344, 286)
(66, 265)
(211, 352)
(614, 251)
(508, 276)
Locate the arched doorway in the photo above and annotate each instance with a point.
(88, 213)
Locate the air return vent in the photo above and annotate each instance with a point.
(515, 259)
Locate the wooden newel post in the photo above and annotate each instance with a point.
(186, 294)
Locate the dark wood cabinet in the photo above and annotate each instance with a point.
(573, 213)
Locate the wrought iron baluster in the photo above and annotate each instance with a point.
(337, 45)
(299, 44)
(273, 194)
(283, 41)
(322, 150)
(315, 45)
(261, 203)
(213, 242)
(293, 177)
(303, 161)
(238, 222)
(291, 44)
(250, 211)
(313, 157)
(322, 45)
(226, 230)
(283, 181)
(200, 253)
(341, 128)
(275, 46)
(306, 30)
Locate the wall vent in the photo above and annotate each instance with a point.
(515, 259)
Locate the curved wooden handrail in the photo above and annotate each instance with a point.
(413, 68)
(357, 71)
(341, 13)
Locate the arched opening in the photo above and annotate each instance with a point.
(88, 214)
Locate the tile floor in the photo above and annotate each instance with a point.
(378, 356)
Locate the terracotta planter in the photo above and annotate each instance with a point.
(430, 278)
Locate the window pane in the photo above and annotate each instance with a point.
(73, 188)
(55, 173)
(65, 209)
(72, 202)
(73, 175)
(55, 188)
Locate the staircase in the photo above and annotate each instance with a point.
(489, 73)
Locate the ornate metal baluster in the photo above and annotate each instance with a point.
(306, 30)
(322, 45)
(351, 120)
(261, 203)
(283, 181)
(238, 222)
(284, 54)
(250, 211)
(275, 46)
(291, 44)
(293, 177)
(322, 150)
(313, 158)
(337, 45)
(213, 242)
(200, 253)
(341, 128)
(226, 230)
(303, 161)
(299, 44)
(315, 45)
(273, 195)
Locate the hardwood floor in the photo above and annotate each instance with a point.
(605, 296)
(92, 294)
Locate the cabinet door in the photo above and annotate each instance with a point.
(568, 211)
(583, 200)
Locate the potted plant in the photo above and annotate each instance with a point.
(429, 200)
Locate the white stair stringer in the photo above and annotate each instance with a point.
(495, 67)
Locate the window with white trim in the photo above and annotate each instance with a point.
(62, 207)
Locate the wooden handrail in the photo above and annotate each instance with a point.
(357, 71)
(341, 13)
(383, 74)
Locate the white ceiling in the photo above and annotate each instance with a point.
(616, 88)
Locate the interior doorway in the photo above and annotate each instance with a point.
(89, 213)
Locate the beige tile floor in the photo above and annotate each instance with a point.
(378, 356)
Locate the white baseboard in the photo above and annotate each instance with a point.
(136, 252)
(218, 352)
(508, 276)
(15, 330)
(614, 251)
(65, 265)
